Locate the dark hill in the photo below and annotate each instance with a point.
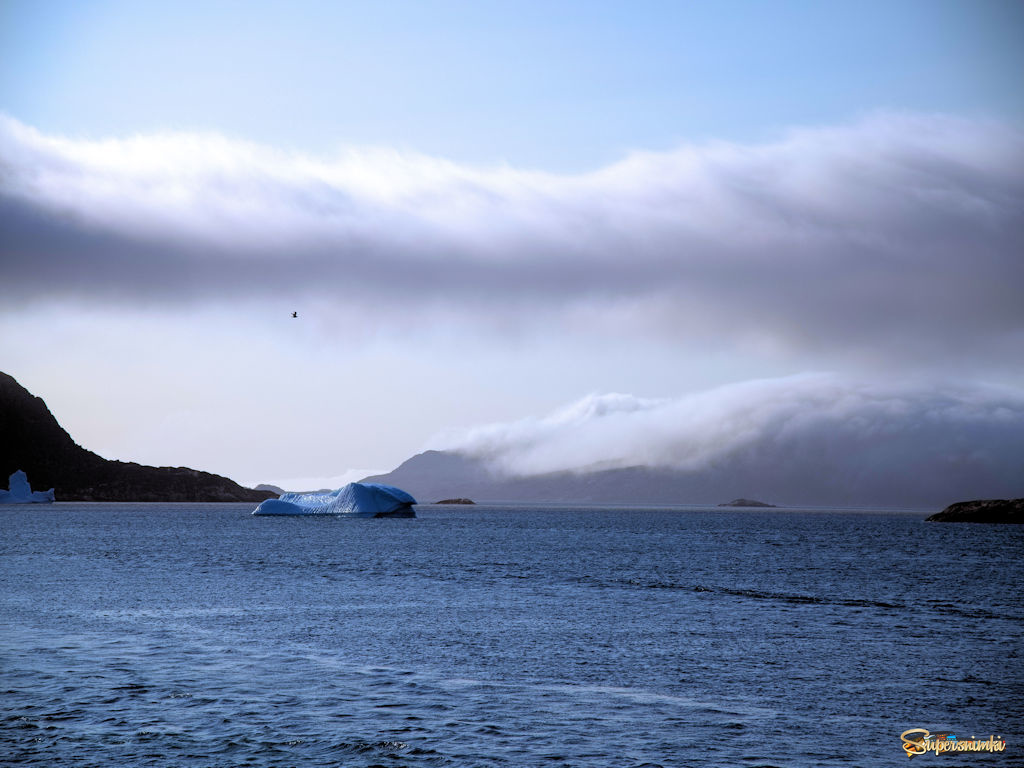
(32, 440)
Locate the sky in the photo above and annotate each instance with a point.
(488, 215)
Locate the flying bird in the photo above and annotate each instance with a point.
(295, 314)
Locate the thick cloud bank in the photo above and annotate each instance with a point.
(847, 440)
(899, 233)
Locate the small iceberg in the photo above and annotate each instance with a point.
(21, 492)
(352, 500)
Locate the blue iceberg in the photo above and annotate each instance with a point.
(352, 500)
(21, 492)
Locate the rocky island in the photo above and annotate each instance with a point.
(34, 442)
(455, 501)
(745, 503)
(982, 511)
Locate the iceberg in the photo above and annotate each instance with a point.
(352, 500)
(21, 492)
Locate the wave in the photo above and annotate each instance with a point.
(786, 597)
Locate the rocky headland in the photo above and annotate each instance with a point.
(33, 441)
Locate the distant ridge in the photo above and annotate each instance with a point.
(444, 474)
(33, 441)
(818, 482)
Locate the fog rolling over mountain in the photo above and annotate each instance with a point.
(802, 440)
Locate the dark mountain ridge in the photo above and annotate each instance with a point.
(817, 480)
(442, 474)
(33, 441)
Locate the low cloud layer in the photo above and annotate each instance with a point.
(899, 235)
(879, 441)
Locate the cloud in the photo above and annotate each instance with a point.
(787, 434)
(898, 235)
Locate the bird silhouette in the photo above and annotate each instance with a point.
(295, 314)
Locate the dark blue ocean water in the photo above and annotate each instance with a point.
(197, 635)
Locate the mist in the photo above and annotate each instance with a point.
(810, 437)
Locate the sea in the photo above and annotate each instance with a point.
(511, 636)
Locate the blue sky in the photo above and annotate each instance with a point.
(486, 211)
(554, 85)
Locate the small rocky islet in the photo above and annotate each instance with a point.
(1002, 511)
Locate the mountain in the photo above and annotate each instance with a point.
(818, 480)
(442, 474)
(33, 441)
